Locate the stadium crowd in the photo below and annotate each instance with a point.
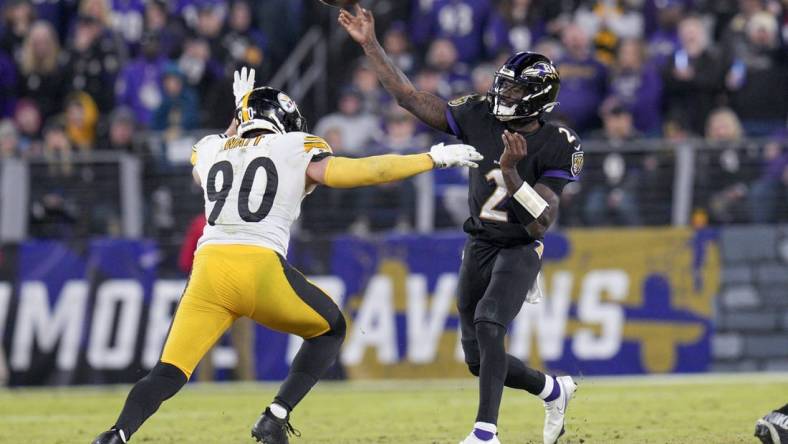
(83, 75)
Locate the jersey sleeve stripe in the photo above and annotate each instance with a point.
(455, 129)
(560, 174)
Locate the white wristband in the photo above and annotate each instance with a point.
(530, 200)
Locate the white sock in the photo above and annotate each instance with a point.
(278, 411)
(549, 382)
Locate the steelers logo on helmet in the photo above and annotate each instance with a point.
(286, 102)
(269, 109)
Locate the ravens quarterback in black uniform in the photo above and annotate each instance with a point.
(513, 200)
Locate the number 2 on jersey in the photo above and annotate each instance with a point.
(220, 196)
(489, 211)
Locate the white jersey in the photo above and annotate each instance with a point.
(253, 187)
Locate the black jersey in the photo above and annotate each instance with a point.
(554, 159)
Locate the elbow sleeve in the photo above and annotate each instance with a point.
(343, 172)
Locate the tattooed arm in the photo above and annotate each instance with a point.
(430, 108)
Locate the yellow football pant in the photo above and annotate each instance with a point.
(230, 281)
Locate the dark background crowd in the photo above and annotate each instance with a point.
(139, 76)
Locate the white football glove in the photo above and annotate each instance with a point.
(457, 155)
(243, 82)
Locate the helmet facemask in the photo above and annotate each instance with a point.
(514, 99)
(269, 110)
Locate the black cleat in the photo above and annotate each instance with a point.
(271, 430)
(773, 428)
(111, 436)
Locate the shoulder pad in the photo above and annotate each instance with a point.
(204, 141)
(466, 99)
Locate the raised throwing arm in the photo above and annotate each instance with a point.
(539, 201)
(429, 108)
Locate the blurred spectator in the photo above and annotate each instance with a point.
(139, 84)
(612, 198)
(442, 56)
(396, 42)
(8, 87)
(28, 121)
(179, 108)
(694, 78)
(607, 21)
(9, 140)
(243, 43)
(728, 166)
(282, 19)
(638, 85)
(81, 118)
(358, 129)
(189, 10)
(204, 73)
(168, 32)
(664, 42)
(430, 80)
(42, 78)
(515, 25)
(57, 150)
(461, 21)
(93, 61)
(367, 84)
(734, 38)
(120, 134)
(583, 81)
(128, 20)
(482, 78)
(392, 206)
(757, 77)
(17, 23)
(210, 22)
(770, 191)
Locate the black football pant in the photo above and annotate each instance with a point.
(492, 287)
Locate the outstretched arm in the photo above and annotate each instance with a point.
(343, 172)
(538, 201)
(430, 108)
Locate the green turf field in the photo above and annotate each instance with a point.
(696, 409)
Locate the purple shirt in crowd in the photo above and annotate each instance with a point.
(461, 21)
(139, 87)
(501, 36)
(641, 93)
(583, 87)
(7, 85)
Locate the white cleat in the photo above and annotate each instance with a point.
(473, 439)
(555, 410)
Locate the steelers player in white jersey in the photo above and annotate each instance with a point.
(254, 177)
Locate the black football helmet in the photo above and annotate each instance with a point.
(525, 87)
(269, 109)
